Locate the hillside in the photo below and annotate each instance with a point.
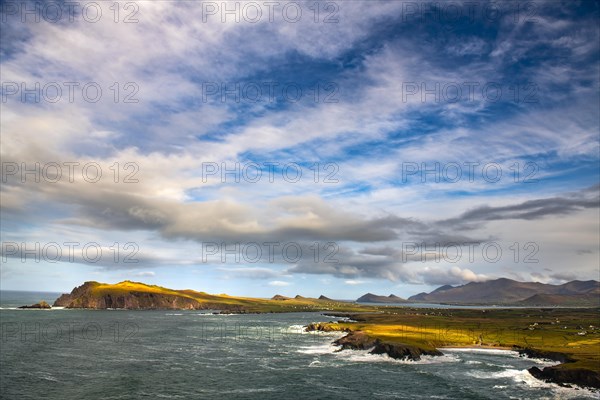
(140, 296)
(507, 291)
(373, 298)
(564, 300)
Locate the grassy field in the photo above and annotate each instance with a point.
(573, 332)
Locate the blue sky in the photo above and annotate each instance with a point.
(386, 134)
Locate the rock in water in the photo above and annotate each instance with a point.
(41, 305)
(361, 341)
(564, 376)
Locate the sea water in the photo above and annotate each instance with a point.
(120, 354)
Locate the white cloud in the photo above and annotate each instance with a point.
(279, 283)
(144, 274)
(170, 50)
(353, 282)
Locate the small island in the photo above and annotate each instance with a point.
(42, 305)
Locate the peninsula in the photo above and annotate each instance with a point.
(140, 296)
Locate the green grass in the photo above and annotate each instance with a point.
(540, 329)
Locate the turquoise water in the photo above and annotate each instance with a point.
(85, 354)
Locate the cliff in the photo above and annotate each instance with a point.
(140, 296)
(137, 296)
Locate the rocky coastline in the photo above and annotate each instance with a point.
(560, 374)
(357, 340)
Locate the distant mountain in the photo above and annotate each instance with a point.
(507, 291)
(321, 297)
(423, 296)
(373, 298)
(567, 300)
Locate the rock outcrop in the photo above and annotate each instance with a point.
(546, 355)
(563, 375)
(566, 376)
(325, 327)
(358, 340)
(41, 305)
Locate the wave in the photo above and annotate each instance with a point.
(478, 350)
(297, 328)
(327, 348)
(522, 376)
(503, 352)
(365, 355)
(301, 330)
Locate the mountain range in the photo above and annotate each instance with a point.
(508, 291)
(504, 291)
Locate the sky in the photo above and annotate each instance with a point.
(335, 148)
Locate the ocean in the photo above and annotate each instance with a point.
(119, 354)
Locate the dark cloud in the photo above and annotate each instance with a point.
(530, 210)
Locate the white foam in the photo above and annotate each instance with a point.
(296, 329)
(342, 319)
(478, 350)
(301, 330)
(523, 376)
(326, 348)
(48, 377)
(366, 356)
(503, 352)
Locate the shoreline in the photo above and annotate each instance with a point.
(560, 373)
(474, 347)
